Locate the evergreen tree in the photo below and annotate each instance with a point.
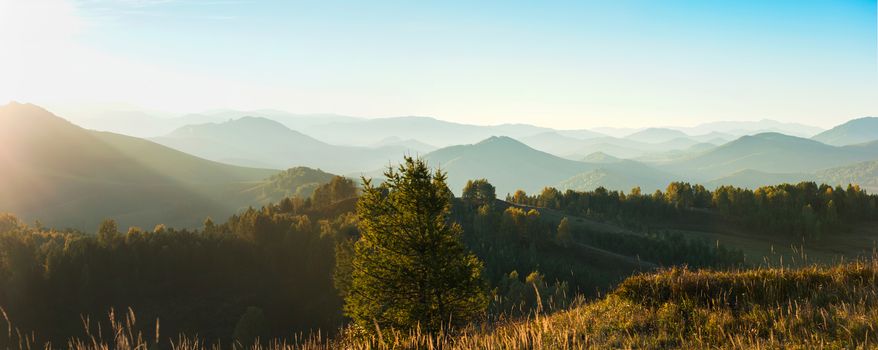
(410, 267)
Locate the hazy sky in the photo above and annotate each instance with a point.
(564, 64)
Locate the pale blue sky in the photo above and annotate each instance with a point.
(565, 64)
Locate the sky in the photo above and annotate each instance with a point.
(562, 64)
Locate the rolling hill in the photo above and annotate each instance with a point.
(656, 135)
(853, 132)
(770, 153)
(68, 176)
(864, 174)
(510, 165)
(256, 140)
(741, 128)
(424, 129)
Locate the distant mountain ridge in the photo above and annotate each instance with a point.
(64, 175)
(855, 131)
(771, 153)
(269, 142)
(511, 165)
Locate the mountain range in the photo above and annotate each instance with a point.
(856, 131)
(262, 142)
(63, 174)
(67, 176)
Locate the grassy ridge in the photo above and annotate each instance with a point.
(810, 307)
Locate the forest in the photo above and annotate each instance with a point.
(287, 268)
(804, 209)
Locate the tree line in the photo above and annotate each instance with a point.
(401, 253)
(803, 209)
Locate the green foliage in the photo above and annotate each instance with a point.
(338, 189)
(563, 236)
(803, 209)
(479, 191)
(194, 281)
(410, 268)
(298, 182)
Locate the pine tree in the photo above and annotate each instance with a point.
(410, 268)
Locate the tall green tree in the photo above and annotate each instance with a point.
(410, 268)
(479, 191)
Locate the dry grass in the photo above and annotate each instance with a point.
(769, 308)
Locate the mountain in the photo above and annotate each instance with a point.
(622, 175)
(600, 157)
(65, 175)
(753, 179)
(771, 153)
(511, 165)
(424, 129)
(411, 145)
(581, 134)
(741, 128)
(255, 139)
(127, 122)
(864, 174)
(853, 132)
(294, 182)
(657, 135)
(676, 154)
(556, 143)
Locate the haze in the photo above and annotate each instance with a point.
(564, 65)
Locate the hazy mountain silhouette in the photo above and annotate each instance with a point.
(753, 179)
(741, 128)
(600, 157)
(269, 142)
(657, 135)
(853, 132)
(424, 129)
(510, 165)
(62, 174)
(771, 153)
(864, 174)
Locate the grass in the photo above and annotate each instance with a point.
(827, 307)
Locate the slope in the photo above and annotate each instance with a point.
(768, 152)
(254, 139)
(511, 165)
(853, 132)
(64, 175)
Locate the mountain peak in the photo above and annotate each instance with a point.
(600, 157)
(256, 122)
(31, 116)
(852, 132)
(501, 140)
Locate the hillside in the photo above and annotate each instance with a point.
(684, 309)
(294, 182)
(752, 179)
(657, 135)
(600, 157)
(511, 165)
(864, 174)
(505, 162)
(67, 176)
(812, 307)
(620, 175)
(767, 152)
(741, 128)
(424, 129)
(249, 140)
(853, 132)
